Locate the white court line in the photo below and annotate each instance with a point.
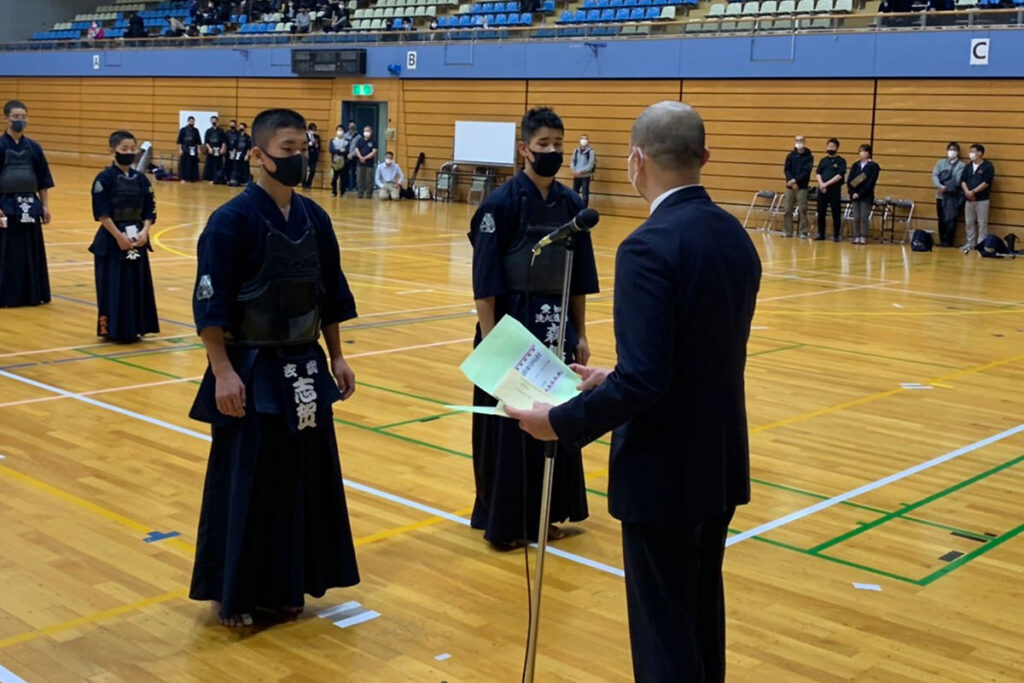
(866, 488)
(7, 676)
(821, 291)
(94, 392)
(383, 352)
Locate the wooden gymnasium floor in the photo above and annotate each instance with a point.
(864, 362)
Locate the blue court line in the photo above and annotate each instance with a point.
(92, 304)
(155, 536)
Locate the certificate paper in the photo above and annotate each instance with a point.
(518, 370)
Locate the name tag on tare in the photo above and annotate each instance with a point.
(131, 232)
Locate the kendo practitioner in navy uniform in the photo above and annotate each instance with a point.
(189, 142)
(274, 523)
(231, 140)
(24, 208)
(240, 174)
(124, 204)
(503, 231)
(216, 150)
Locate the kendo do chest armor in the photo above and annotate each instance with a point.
(126, 200)
(281, 305)
(18, 175)
(536, 220)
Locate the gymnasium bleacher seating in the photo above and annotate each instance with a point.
(483, 20)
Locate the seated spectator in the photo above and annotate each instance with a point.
(302, 22)
(175, 28)
(193, 31)
(95, 31)
(136, 27)
(389, 179)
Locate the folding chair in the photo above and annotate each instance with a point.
(757, 204)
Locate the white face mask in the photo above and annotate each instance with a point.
(340, 134)
(952, 154)
(973, 155)
(367, 134)
(799, 146)
(584, 142)
(388, 162)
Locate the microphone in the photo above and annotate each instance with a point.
(584, 221)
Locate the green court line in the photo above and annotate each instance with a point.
(913, 506)
(128, 363)
(964, 559)
(403, 393)
(855, 352)
(766, 352)
(428, 418)
(836, 560)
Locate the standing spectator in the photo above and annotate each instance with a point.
(366, 152)
(95, 31)
(313, 140)
(861, 184)
(390, 179)
(582, 166)
(976, 183)
(338, 149)
(946, 178)
(831, 174)
(798, 168)
(136, 26)
(353, 162)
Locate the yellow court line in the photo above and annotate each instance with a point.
(183, 592)
(880, 395)
(159, 243)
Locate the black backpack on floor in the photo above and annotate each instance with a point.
(921, 240)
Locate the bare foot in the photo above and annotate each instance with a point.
(293, 612)
(233, 621)
(556, 534)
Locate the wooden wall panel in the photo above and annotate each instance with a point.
(751, 124)
(916, 119)
(604, 111)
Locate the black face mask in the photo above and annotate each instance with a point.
(124, 159)
(18, 126)
(832, 152)
(290, 170)
(546, 164)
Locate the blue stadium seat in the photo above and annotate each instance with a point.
(581, 16)
(593, 16)
(615, 4)
(489, 19)
(603, 4)
(488, 8)
(526, 19)
(622, 15)
(607, 15)
(630, 3)
(652, 14)
(566, 17)
(465, 21)
(476, 9)
(549, 6)
(636, 14)
(499, 7)
(501, 20)
(514, 6)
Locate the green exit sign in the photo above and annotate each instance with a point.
(365, 89)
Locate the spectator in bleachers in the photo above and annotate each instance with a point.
(189, 141)
(136, 26)
(830, 177)
(95, 31)
(948, 198)
(798, 168)
(193, 9)
(216, 148)
(389, 178)
(302, 22)
(861, 186)
(582, 167)
(366, 153)
(175, 28)
(976, 182)
(193, 31)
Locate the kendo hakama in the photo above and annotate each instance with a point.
(188, 166)
(508, 464)
(24, 280)
(274, 523)
(214, 170)
(124, 281)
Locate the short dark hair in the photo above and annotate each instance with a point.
(232, 121)
(268, 122)
(351, 122)
(953, 145)
(243, 124)
(215, 117)
(191, 118)
(119, 136)
(312, 126)
(977, 146)
(833, 141)
(540, 117)
(865, 148)
(389, 153)
(12, 105)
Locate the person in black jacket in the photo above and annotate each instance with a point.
(686, 282)
(831, 174)
(976, 182)
(861, 186)
(798, 168)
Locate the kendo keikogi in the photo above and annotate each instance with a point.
(189, 140)
(124, 281)
(503, 231)
(240, 172)
(274, 523)
(216, 144)
(24, 173)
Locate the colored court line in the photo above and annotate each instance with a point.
(768, 351)
(8, 676)
(856, 352)
(122, 354)
(398, 531)
(964, 559)
(913, 506)
(428, 418)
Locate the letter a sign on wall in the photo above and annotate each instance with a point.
(979, 51)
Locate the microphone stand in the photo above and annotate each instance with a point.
(550, 450)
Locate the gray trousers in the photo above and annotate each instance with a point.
(976, 217)
(366, 181)
(861, 216)
(800, 198)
